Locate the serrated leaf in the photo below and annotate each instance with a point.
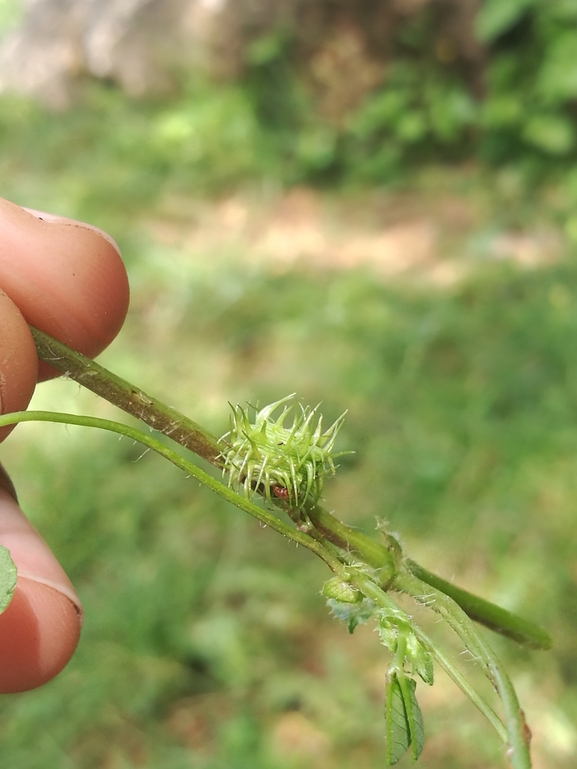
(403, 719)
(7, 578)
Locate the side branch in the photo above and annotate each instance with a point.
(488, 614)
(127, 397)
(386, 557)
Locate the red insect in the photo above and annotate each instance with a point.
(279, 491)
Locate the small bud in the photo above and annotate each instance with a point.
(339, 590)
(420, 659)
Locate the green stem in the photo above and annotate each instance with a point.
(127, 397)
(517, 732)
(488, 614)
(367, 586)
(459, 679)
(193, 436)
(186, 433)
(373, 553)
(266, 518)
(328, 534)
(388, 560)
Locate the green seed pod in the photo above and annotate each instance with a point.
(288, 464)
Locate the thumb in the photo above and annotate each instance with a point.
(40, 628)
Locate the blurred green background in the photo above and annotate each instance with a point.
(414, 262)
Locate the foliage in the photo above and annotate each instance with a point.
(512, 104)
(420, 111)
(207, 140)
(428, 106)
(203, 646)
(202, 639)
(531, 79)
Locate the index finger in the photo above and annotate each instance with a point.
(65, 277)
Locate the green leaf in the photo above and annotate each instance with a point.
(562, 10)
(551, 133)
(403, 718)
(414, 715)
(397, 733)
(557, 80)
(498, 16)
(7, 578)
(267, 48)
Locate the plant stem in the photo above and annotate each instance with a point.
(459, 679)
(127, 397)
(517, 731)
(373, 553)
(266, 518)
(488, 614)
(186, 433)
(376, 594)
(194, 437)
(334, 542)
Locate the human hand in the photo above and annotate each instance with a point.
(67, 279)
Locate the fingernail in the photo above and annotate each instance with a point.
(54, 219)
(66, 590)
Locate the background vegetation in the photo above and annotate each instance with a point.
(206, 643)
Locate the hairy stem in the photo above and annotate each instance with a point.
(380, 598)
(127, 397)
(186, 433)
(518, 735)
(373, 553)
(265, 518)
(337, 544)
(193, 436)
(488, 614)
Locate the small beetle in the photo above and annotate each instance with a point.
(279, 491)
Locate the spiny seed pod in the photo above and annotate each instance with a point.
(287, 464)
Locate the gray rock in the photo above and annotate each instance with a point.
(147, 47)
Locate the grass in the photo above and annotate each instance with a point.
(206, 642)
